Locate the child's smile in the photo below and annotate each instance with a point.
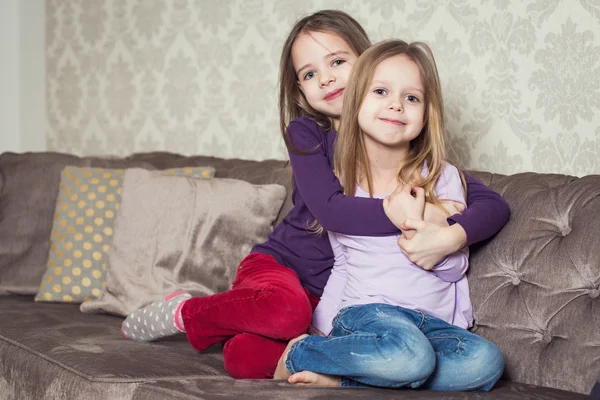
(334, 94)
(392, 113)
(322, 62)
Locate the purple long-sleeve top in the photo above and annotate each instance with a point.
(318, 195)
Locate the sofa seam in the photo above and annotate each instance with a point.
(173, 392)
(93, 379)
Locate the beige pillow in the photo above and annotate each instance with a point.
(86, 207)
(178, 233)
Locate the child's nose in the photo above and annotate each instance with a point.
(395, 106)
(327, 79)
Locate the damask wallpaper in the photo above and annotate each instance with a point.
(521, 78)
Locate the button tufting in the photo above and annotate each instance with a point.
(547, 338)
(516, 281)
(565, 231)
(594, 293)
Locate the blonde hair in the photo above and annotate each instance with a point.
(292, 103)
(351, 163)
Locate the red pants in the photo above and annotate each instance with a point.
(265, 308)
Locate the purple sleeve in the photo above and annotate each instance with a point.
(323, 194)
(486, 213)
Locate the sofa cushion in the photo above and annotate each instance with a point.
(222, 388)
(175, 233)
(256, 172)
(29, 185)
(86, 208)
(52, 351)
(534, 287)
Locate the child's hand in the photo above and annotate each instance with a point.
(453, 207)
(402, 204)
(436, 214)
(315, 332)
(430, 243)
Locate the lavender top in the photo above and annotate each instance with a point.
(373, 269)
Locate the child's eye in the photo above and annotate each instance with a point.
(309, 75)
(412, 99)
(380, 92)
(337, 63)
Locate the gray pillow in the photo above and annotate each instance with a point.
(179, 233)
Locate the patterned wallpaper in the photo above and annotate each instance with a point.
(521, 78)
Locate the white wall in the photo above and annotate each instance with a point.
(22, 76)
(10, 124)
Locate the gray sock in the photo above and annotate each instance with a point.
(158, 320)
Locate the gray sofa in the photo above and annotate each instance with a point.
(534, 289)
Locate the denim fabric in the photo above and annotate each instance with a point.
(390, 346)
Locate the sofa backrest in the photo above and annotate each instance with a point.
(29, 186)
(255, 172)
(535, 286)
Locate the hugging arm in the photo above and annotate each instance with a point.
(486, 213)
(323, 193)
(438, 255)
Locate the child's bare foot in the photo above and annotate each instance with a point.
(310, 378)
(281, 371)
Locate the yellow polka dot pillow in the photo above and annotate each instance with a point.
(84, 217)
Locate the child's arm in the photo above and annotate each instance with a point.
(332, 293)
(324, 196)
(430, 243)
(486, 213)
(322, 192)
(449, 187)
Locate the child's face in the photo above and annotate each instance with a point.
(393, 111)
(323, 62)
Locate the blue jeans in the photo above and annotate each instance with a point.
(390, 346)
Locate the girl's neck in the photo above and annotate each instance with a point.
(384, 163)
(336, 124)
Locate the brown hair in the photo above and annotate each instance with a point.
(292, 103)
(351, 162)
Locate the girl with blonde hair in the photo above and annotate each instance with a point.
(386, 321)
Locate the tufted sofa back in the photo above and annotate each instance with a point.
(535, 285)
